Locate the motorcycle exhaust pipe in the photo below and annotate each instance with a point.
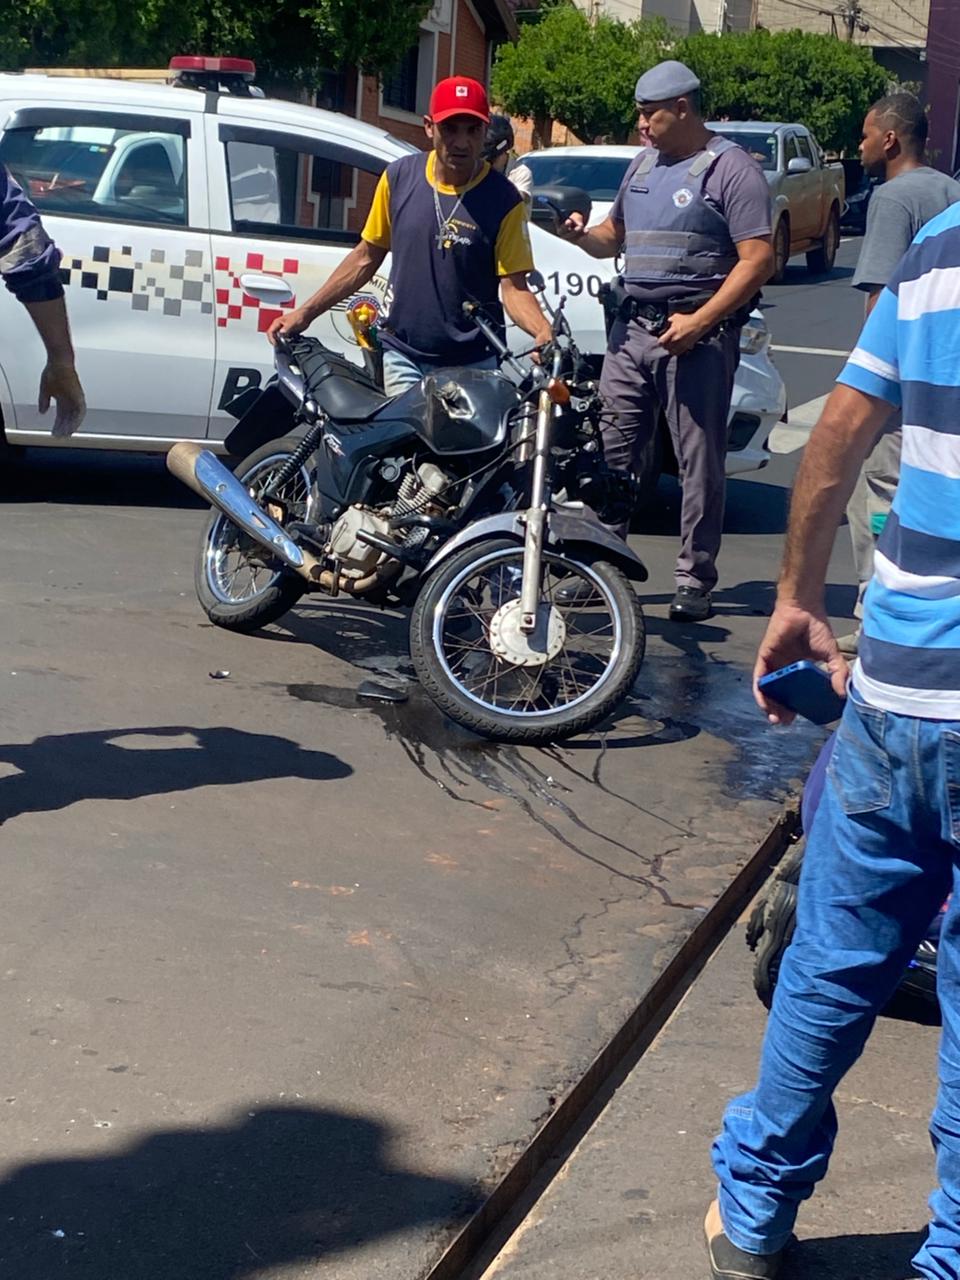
(201, 471)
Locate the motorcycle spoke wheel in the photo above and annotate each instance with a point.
(587, 618)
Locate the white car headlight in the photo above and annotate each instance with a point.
(754, 336)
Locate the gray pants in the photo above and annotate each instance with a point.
(870, 503)
(640, 380)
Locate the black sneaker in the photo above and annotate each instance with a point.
(727, 1262)
(691, 604)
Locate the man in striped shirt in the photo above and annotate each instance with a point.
(883, 853)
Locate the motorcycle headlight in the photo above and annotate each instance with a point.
(754, 336)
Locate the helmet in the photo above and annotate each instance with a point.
(499, 137)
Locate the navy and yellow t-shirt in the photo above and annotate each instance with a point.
(429, 282)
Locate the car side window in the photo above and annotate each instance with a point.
(298, 188)
(804, 149)
(93, 165)
(790, 149)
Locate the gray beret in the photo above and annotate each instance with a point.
(666, 80)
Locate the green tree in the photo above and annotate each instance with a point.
(825, 83)
(562, 68)
(293, 39)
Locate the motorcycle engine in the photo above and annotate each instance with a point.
(417, 493)
(357, 558)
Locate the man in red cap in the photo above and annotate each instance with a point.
(457, 231)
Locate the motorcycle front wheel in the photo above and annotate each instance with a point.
(238, 585)
(479, 668)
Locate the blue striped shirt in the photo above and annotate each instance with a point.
(909, 355)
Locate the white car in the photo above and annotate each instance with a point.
(188, 220)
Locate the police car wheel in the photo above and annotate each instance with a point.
(475, 665)
(237, 584)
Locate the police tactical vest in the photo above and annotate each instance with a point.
(674, 233)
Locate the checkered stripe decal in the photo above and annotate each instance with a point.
(165, 282)
(172, 284)
(232, 302)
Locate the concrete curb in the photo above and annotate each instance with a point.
(485, 1234)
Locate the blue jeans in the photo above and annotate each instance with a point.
(880, 860)
(400, 372)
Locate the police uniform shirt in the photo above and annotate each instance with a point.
(736, 187)
(433, 275)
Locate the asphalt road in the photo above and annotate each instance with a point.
(287, 980)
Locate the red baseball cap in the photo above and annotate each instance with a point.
(459, 96)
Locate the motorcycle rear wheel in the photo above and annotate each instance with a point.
(238, 587)
(587, 678)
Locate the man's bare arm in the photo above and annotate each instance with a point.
(357, 269)
(753, 269)
(838, 444)
(798, 629)
(59, 379)
(523, 308)
(605, 240)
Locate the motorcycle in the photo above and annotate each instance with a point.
(473, 498)
(773, 920)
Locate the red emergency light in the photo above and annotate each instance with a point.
(194, 71)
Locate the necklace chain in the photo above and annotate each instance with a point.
(445, 228)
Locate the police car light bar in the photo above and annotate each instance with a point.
(193, 71)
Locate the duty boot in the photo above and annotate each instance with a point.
(691, 604)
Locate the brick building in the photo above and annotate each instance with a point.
(943, 83)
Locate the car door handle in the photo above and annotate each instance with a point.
(266, 288)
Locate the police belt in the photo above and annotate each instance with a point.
(654, 317)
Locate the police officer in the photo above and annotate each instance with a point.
(693, 220)
(30, 267)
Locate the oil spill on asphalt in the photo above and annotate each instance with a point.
(697, 688)
(676, 697)
(454, 759)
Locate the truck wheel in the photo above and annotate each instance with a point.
(781, 250)
(821, 260)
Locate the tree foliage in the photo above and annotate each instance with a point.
(292, 39)
(818, 80)
(562, 68)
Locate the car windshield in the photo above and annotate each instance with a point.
(599, 176)
(762, 146)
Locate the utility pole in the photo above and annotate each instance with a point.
(851, 15)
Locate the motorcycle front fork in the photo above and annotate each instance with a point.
(535, 518)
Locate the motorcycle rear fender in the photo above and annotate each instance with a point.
(270, 417)
(564, 530)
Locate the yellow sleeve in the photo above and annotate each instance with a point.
(513, 242)
(376, 229)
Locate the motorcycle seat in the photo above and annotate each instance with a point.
(346, 400)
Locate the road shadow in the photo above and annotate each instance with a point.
(59, 770)
(94, 477)
(284, 1185)
(752, 507)
(754, 598)
(874, 1257)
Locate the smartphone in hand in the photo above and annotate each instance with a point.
(805, 688)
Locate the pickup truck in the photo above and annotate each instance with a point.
(807, 193)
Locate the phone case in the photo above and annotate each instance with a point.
(804, 688)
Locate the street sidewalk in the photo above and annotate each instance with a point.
(629, 1204)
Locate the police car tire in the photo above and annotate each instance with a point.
(502, 728)
(272, 603)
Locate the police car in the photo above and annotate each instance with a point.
(189, 220)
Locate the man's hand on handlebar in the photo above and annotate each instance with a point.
(291, 324)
